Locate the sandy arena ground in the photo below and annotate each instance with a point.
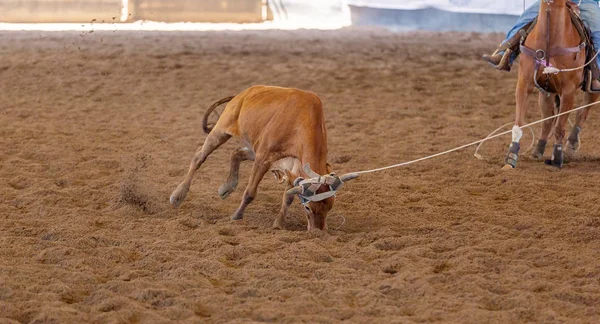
(97, 129)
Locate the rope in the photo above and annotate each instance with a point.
(553, 70)
(478, 156)
(473, 143)
(342, 224)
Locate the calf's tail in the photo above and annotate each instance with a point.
(205, 125)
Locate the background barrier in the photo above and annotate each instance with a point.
(84, 11)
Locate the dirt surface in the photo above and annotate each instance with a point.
(97, 129)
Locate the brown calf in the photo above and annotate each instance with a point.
(281, 130)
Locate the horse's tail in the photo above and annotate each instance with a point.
(207, 129)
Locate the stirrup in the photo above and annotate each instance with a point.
(504, 64)
(588, 84)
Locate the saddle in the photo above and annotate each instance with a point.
(590, 72)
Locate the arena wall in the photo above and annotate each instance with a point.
(59, 11)
(236, 11)
(430, 19)
(84, 11)
(438, 15)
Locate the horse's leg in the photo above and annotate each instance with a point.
(546, 104)
(524, 88)
(582, 115)
(566, 104)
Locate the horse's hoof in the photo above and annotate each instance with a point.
(512, 156)
(570, 152)
(556, 164)
(538, 152)
(507, 167)
(557, 157)
(537, 156)
(573, 146)
(573, 139)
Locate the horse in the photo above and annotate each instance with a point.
(554, 41)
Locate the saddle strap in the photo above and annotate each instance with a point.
(577, 22)
(558, 51)
(527, 51)
(555, 51)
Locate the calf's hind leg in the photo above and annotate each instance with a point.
(215, 139)
(237, 156)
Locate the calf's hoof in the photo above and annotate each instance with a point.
(237, 216)
(225, 190)
(178, 196)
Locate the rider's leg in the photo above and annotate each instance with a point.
(590, 14)
(497, 58)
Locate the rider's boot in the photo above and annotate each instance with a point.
(593, 76)
(500, 59)
(595, 85)
(502, 56)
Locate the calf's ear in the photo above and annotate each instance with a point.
(329, 168)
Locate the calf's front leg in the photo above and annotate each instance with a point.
(287, 201)
(259, 168)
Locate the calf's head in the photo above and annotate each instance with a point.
(317, 195)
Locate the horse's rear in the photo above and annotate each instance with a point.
(553, 42)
